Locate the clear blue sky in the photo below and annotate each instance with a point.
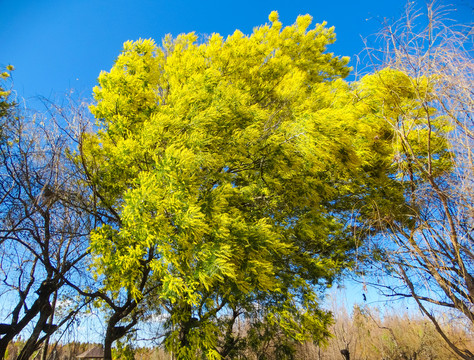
(58, 45)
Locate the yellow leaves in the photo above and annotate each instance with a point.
(303, 22)
(140, 47)
(175, 289)
(128, 92)
(273, 17)
(291, 86)
(213, 354)
(214, 154)
(400, 108)
(5, 75)
(236, 163)
(392, 92)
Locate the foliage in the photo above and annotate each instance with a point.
(238, 165)
(124, 351)
(402, 103)
(6, 104)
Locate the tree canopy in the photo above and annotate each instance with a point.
(244, 167)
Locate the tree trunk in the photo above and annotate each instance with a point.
(108, 345)
(115, 332)
(3, 346)
(111, 335)
(40, 306)
(44, 355)
(32, 343)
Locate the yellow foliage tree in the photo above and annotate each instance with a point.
(236, 164)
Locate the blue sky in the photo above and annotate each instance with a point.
(59, 45)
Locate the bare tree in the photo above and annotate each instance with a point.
(432, 255)
(43, 231)
(120, 310)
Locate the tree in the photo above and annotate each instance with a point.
(433, 257)
(43, 238)
(232, 168)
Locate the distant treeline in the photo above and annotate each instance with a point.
(365, 334)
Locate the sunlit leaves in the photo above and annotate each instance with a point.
(239, 164)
